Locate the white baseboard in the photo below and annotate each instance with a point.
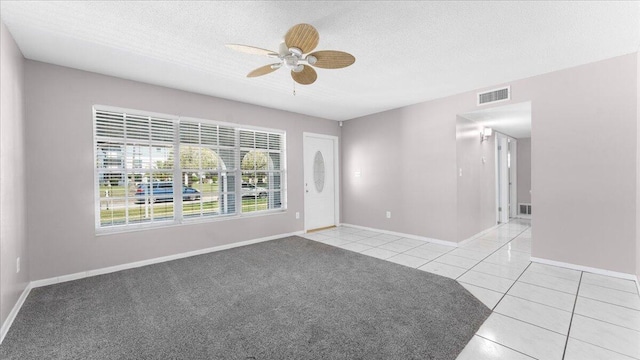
(410, 236)
(481, 233)
(615, 274)
(133, 265)
(55, 280)
(80, 275)
(14, 312)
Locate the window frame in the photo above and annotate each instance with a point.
(181, 170)
(268, 150)
(177, 171)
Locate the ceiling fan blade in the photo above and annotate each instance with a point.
(251, 49)
(306, 76)
(264, 70)
(302, 36)
(331, 59)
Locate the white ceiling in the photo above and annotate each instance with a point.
(513, 120)
(407, 52)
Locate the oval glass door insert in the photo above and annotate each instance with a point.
(318, 171)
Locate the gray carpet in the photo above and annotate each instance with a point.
(290, 298)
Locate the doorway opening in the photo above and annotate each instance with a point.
(506, 178)
(511, 129)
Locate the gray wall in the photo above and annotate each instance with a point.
(60, 177)
(583, 160)
(524, 170)
(13, 239)
(638, 173)
(407, 158)
(476, 189)
(583, 165)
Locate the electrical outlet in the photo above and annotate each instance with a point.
(17, 265)
(297, 215)
(388, 214)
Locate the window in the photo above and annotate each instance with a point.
(208, 158)
(261, 154)
(221, 169)
(132, 150)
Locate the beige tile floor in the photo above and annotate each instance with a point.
(539, 311)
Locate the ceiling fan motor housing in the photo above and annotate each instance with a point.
(291, 61)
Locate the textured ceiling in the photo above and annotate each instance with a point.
(406, 52)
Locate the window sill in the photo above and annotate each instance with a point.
(188, 221)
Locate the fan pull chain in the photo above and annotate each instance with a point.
(294, 88)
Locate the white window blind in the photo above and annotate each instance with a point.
(132, 150)
(208, 162)
(220, 169)
(262, 170)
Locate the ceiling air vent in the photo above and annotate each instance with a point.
(493, 96)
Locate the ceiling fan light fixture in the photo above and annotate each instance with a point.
(311, 59)
(301, 39)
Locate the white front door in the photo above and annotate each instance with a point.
(320, 184)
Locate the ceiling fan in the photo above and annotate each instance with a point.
(294, 55)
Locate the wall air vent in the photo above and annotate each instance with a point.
(495, 95)
(524, 209)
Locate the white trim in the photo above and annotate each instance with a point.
(107, 270)
(615, 274)
(121, 229)
(14, 312)
(84, 274)
(481, 233)
(502, 181)
(513, 179)
(336, 185)
(178, 218)
(409, 236)
(504, 135)
(498, 177)
(638, 283)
